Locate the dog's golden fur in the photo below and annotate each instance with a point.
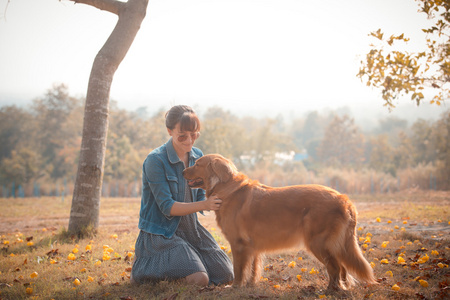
(256, 218)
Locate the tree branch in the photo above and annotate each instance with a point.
(113, 6)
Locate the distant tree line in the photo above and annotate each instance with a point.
(40, 145)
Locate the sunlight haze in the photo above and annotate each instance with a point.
(248, 56)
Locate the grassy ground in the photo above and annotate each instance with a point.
(37, 262)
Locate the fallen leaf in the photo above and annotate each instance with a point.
(423, 283)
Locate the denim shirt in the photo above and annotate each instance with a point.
(163, 184)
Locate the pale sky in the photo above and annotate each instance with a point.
(243, 55)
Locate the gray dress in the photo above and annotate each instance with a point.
(191, 249)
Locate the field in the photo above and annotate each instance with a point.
(404, 236)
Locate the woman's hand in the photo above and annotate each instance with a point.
(183, 209)
(212, 203)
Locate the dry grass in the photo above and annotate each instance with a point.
(425, 234)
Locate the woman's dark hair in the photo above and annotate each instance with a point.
(184, 115)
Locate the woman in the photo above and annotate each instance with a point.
(172, 244)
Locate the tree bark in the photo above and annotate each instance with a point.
(84, 214)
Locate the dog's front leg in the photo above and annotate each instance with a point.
(256, 268)
(242, 261)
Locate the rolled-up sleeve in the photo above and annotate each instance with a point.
(155, 175)
(201, 195)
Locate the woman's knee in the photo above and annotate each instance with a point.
(199, 278)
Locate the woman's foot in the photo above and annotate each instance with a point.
(199, 278)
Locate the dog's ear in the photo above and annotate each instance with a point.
(223, 169)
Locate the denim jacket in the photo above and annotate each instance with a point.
(163, 184)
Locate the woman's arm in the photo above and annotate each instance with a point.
(183, 209)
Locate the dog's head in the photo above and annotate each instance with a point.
(208, 171)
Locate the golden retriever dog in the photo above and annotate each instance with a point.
(256, 218)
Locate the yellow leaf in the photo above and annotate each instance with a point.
(83, 270)
(395, 287)
(34, 275)
(71, 256)
(98, 263)
(88, 248)
(434, 252)
(304, 269)
(384, 261)
(291, 264)
(423, 283)
(313, 271)
(384, 244)
(90, 279)
(276, 286)
(29, 291)
(423, 259)
(401, 260)
(75, 250)
(76, 282)
(372, 264)
(378, 220)
(390, 274)
(299, 277)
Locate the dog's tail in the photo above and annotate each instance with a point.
(350, 254)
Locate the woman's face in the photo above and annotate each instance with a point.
(183, 141)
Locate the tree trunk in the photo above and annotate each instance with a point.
(84, 214)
